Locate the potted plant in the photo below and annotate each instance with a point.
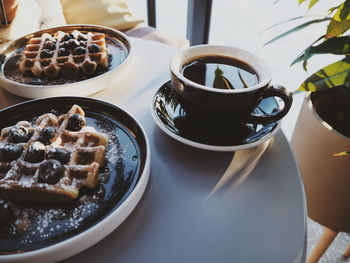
(323, 126)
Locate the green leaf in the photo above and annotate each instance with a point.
(340, 22)
(342, 153)
(286, 21)
(336, 28)
(305, 55)
(301, 1)
(297, 28)
(220, 82)
(344, 10)
(335, 45)
(312, 3)
(333, 75)
(332, 9)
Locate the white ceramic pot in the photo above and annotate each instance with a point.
(326, 178)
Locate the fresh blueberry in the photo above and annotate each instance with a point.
(45, 53)
(19, 134)
(79, 51)
(72, 44)
(50, 45)
(63, 45)
(5, 212)
(75, 122)
(82, 38)
(34, 81)
(63, 52)
(94, 48)
(67, 37)
(82, 43)
(47, 135)
(59, 154)
(50, 172)
(10, 152)
(35, 153)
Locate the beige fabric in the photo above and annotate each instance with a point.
(31, 16)
(112, 13)
(52, 14)
(22, 23)
(151, 33)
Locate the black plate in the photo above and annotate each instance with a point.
(53, 223)
(177, 118)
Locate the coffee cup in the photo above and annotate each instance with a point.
(224, 80)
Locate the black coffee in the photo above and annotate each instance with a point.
(220, 72)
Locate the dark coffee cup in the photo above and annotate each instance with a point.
(238, 104)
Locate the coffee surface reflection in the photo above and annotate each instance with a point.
(220, 72)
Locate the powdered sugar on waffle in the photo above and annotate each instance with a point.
(78, 172)
(51, 224)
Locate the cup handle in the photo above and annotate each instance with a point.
(273, 91)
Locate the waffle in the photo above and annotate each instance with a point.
(66, 54)
(28, 177)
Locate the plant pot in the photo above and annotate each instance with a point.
(326, 178)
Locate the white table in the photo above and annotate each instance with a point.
(264, 220)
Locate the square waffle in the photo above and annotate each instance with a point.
(51, 159)
(66, 54)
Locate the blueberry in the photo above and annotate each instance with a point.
(50, 45)
(75, 122)
(72, 44)
(45, 53)
(79, 51)
(50, 172)
(67, 37)
(19, 134)
(47, 135)
(82, 38)
(35, 153)
(82, 43)
(59, 154)
(94, 48)
(10, 152)
(63, 45)
(5, 212)
(34, 81)
(63, 52)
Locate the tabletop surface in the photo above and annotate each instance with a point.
(264, 220)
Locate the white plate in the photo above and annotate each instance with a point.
(116, 73)
(123, 188)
